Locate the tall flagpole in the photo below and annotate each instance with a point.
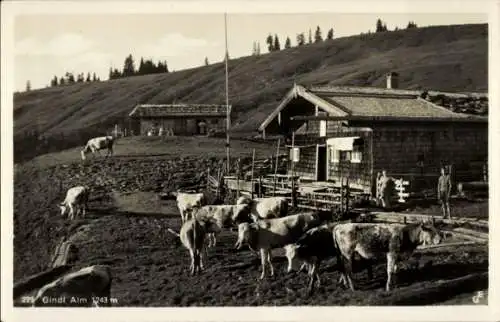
(228, 112)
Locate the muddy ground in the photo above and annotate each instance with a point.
(126, 228)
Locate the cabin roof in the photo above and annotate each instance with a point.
(178, 110)
(379, 103)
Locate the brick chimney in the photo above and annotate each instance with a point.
(392, 80)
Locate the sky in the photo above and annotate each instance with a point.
(49, 45)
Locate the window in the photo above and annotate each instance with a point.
(322, 128)
(356, 156)
(357, 150)
(345, 155)
(334, 155)
(295, 154)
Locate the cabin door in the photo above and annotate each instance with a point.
(321, 163)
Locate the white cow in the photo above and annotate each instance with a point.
(265, 208)
(187, 202)
(76, 201)
(90, 286)
(96, 144)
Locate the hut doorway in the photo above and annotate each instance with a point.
(321, 163)
(201, 127)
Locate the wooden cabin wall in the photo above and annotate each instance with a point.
(306, 167)
(398, 148)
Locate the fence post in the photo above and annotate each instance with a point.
(341, 195)
(208, 180)
(260, 186)
(347, 192)
(237, 178)
(276, 167)
(251, 181)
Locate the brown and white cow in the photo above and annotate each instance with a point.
(314, 246)
(268, 234)
(90, 286)
(396, 242)
(76, 201)
(96, 144)
(222, 216)
(265, 208)
(193, 235)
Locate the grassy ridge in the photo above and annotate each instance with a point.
(450, 58)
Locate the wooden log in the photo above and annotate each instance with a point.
(38, 280)
(423, 217)
(472, 232)
(466, 236)
(446, 245)
(312, 207)
(329, 202)
(438, 292)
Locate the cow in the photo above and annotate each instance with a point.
(187, 202)
(312, 248)
(76, 201)
(222, 216)
(265, 208)
(96, 144)
(267, 234)
(193, 235)
(90, 286)
(396, 242)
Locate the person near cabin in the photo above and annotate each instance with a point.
(444, 192)
(386, 186)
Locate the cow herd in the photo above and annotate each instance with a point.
(264, 224)
(308, 237)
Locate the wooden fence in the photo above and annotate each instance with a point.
(301, 196)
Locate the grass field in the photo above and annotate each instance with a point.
(449, 58)
(150, 267)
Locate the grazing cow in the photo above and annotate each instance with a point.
(312, 248)
(267, 234)
(96, 144)
(266, 208)
(222, 216)
(372, 241)
(76, 199)
(187, 202)
(90, 286)
(193, 234)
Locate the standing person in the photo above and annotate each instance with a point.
(386, 190)
(444, 191)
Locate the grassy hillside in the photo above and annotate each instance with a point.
(449, 58)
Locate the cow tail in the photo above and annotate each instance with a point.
(340, 258)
